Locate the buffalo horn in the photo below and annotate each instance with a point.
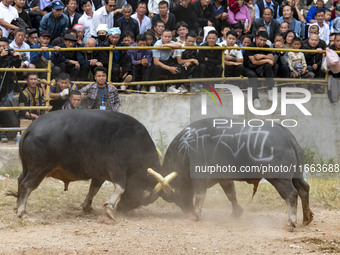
(163, 182)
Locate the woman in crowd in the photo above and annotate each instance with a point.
(288, 37)
(241, 15)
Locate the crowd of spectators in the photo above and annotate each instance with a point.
(304, 24)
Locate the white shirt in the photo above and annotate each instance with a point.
(25, 56)
(153, 6)
(87, 22)
(324, 32)
(7, 14)
(146, 23)
(100, 16)
(235, 53)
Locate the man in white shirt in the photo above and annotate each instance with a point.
(86, 18)
(323, 27)
(19, 44)
(144, 22)
(233, 59)
(104, 15)
(7, 14)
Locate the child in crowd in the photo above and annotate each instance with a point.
(74, 101)
(297, 62)
(223, 40)
(233, 58)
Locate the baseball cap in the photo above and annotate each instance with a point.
(57, 5)
(45, 33)
(70, 37)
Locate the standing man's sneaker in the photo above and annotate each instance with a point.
(172, 89)
(270, 95)
(152, 89)
(4, 139)
(127, 79)
(257, 103)
(182, 89)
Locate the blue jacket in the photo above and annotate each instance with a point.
(311, 13)
(297, 26)
(35, 56)
(55, 28)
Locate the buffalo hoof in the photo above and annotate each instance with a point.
(290, 226)
(237, 212)
(192, 217)
(109, 212)
(87, 208)
(308, 218)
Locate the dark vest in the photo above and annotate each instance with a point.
(260, 4)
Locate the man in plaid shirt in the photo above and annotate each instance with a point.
(101, 95)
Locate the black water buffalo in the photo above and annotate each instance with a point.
(89, 144)
(203, 144)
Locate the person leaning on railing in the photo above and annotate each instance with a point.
(7, 59)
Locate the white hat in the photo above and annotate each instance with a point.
(206, 30)
(102, 27)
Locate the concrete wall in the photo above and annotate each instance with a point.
(169, 114)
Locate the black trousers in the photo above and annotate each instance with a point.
(158, 70)
(8, 118)
(140, 70)
(70, 69)
(212, 70)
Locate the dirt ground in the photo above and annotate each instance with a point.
(61, 227)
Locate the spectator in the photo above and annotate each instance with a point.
(80, 33)
(336, 10)
(182, 30)
(164, 15)
(32, 7)
(331, 39)
(328, 15)
(261, 4)
(141, 60)
(158, 30)
(7, 59)
(188, 59)
(284, 27)
(33, 95)
(86, 18)
(220, 8)
(259, 64)
(210, 60)
(7, 14)
(320, 5)
(281, 57)
(246, 40)
(92, 59)
(150, 39)
(60, 39)
(164, 61)
(104, 15)
(19, 44)
(173, 4)
(297, 62)
(33, 36)
(45, 6)
(314, 60)
(126, 23)
(223, 40)
(203, 13)
(272, 26)
(233, 59)
(70, 12)
(74, 102)
(323, 27)
(296, 10)
(153, 7)
(19, 5)
(144, 22)
(288, 37)
(336, 47)
(55, 21)
(60, 90)
(251, 8)
(101, 95)
(336, 25)
(71, 62)
(295, 25)
(39, 59)
(239, 28)
(184, 12)
(242, 15)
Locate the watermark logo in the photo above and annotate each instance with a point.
(238, 100)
